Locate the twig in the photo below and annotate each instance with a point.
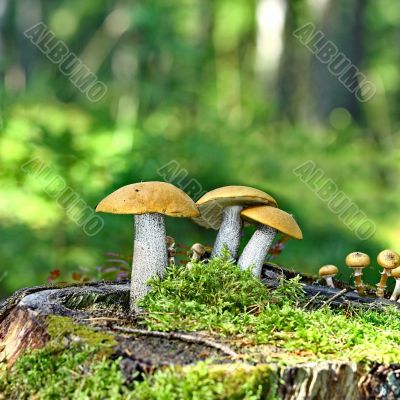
(325, 303)
(102, 319)
(312, 299)
(180, 336)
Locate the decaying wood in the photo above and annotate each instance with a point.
(323, 380)
(105, 306)
(180, 336)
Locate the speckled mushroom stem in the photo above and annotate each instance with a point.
(396, 292)
(253, 255)
(358, 283)
(381, 286)
(329, 281)
(149, 254)
(229, 232)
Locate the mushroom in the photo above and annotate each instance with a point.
(388, 260)
(269, 220)
(171, 251)
(198, 250)
(357, 261)
(328, 272)
(220, 209)
(148, 202)
(396, 292)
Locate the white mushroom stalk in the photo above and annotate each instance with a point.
(329, 281)
(269, 221)
(253, 255)
(149, 253)
(396, 292)
(229, 233)
(358, 283)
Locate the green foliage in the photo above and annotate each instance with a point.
(71, 373)
(208, 382)
(217, 294)
(220, 298)
(59, 327)
(181, 78)
(77, 373)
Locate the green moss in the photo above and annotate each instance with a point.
(75, 372)
(205, 381)
(220, 298)
(59, 327)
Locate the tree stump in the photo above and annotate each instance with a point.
(102, 306)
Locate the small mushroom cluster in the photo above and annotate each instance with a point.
(231, 207)
(387, 259)
(226, 209)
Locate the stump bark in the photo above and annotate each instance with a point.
(23, 325)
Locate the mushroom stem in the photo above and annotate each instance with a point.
(329, 281)
(229, 232)
(195, 257)
(396, 291)
(381, 286)
(256, 249)
(149, 254)
(358, 283)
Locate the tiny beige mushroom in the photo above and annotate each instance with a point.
(396, 292)
(328, 272)
(198, 250)
(388, 260)
(220, 209)
(357, 261)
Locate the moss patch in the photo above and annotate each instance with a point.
(266, 325)
(74, 374)
(205, 381)
(220, 298)
(59, 327)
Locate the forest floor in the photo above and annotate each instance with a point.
(212, 332)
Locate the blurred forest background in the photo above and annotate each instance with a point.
(221, 87)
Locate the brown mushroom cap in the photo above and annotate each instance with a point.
(149, 197)
(357, 260)
(395, 272)
(388, 259)
(198, 248)
(212, 203)
(327, 270)
(275, 218)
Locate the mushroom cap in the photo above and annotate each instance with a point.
(213, 202)
(395, 272)
(327, 270)
(275, 218)
(149, 197)
(357, 260)
(198, 248)
(388, 259)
